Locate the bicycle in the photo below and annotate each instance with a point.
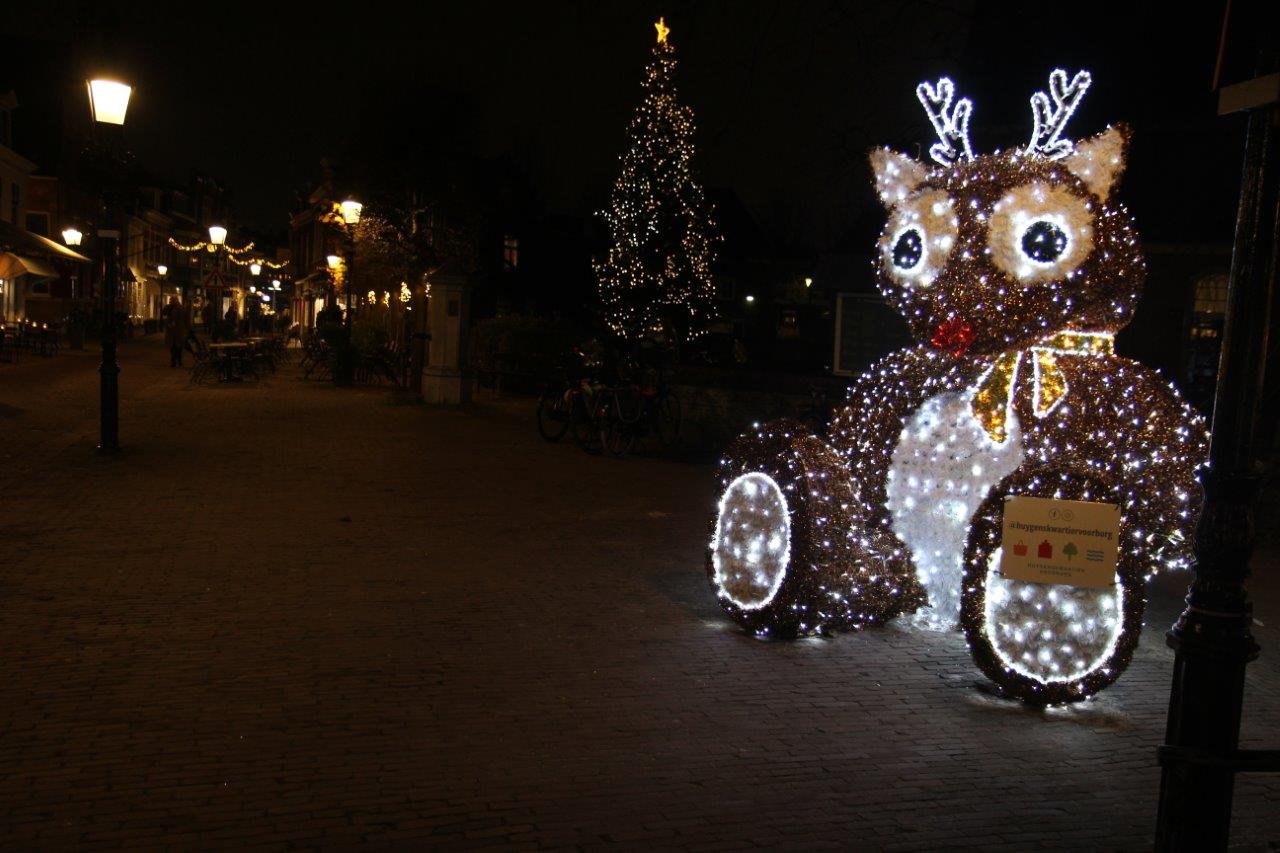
(631, 412)
(571, 406)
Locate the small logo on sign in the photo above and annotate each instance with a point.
(1020, 549)
(1045, 551)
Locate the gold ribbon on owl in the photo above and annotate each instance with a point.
(992, 403)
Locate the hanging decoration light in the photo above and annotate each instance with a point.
(260, 263)
(211, 246)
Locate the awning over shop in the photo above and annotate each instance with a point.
(12, 266)
(23, 242)
(60, 250)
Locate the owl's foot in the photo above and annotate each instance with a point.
(1046, 643)
(789, 553)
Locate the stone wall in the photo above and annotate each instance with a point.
(712, 417)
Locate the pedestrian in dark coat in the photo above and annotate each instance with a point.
(176, 328)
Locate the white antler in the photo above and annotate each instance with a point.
(951, 125)
(1051, 118)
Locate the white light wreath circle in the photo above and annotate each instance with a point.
(752, 543)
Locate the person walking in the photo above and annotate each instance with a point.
(176, 328)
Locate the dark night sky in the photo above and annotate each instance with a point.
(787, 96)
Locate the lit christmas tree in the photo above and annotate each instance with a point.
(656, 279)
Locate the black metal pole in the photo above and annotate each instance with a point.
(109, 369)
(1212, 640)
(351, 274)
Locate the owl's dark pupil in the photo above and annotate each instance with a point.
(1044, 242)
(908, 251)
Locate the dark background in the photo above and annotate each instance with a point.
(787, 96)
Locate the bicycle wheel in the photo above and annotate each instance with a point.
(667, 418)
(553, 418)
(616, 435)
(628, 405)
(582, 420)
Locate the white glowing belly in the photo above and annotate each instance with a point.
(942, 468)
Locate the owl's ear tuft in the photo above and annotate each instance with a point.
(1099, 160)
(897, 175)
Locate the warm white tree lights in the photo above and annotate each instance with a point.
(656, 278)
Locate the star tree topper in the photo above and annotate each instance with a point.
(662, 29)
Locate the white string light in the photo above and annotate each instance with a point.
(998, 262)
(950, 123)
(1050, 117)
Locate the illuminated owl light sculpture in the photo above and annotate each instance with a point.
(1014, 271)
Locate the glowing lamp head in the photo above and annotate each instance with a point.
(334, 261)
(72, 236)
(266, 297)
(109, 101)
(217, 235)
(275, 284)
(255, 268)
(750, 299)
(351, 211)
(162, 269)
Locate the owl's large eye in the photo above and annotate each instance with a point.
(917, 240)
(908, 250)
(1044, 242)
(1040, 232)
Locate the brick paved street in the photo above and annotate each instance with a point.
(294, 614)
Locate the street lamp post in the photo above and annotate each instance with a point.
(1213, 639)
(162, 270)
(72, 236)
(255, 269)
(108, 103)
(218, 246)
(350, 209)
(334, 262)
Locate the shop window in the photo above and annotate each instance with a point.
(1211, 294)
(38, 223)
